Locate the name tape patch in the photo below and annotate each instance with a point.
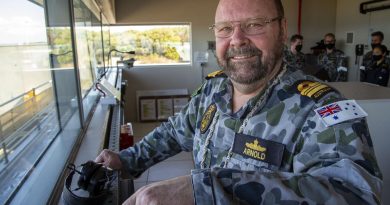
(258, 149)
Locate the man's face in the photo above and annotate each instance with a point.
(329, 40)
(249, 58)
(296, 43)
(376, 40)
(377, 52)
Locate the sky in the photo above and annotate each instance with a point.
(21, 22)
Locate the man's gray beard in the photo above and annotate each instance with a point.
(247, 73)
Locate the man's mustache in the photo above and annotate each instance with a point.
(244, 51)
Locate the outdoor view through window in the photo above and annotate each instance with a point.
(154, 44)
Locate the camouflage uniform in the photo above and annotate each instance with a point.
(294, 61)
(367, 59)
(368, 62)
(330, 62)
(306, 162)
(376, 74)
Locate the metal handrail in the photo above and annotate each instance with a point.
(22, 95)
(27, 110)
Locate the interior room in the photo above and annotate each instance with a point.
(118, 101)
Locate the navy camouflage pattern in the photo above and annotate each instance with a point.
(330, 62)
(292, 60)
(368, 62)
(319, 164)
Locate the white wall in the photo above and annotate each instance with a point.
(349, 19)
(318, 19)
(378, 114)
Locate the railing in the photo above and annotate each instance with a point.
(31, 103)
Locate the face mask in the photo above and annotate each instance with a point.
(329, 46)
(376, 57)
(373, 45)
(298, 48)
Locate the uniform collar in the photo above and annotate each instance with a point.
(224, 98)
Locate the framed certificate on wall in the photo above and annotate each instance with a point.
(147, 107)
(164, 108)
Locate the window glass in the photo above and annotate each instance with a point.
(28, 114)
(106, 39)
(153, 44)
(88, 32)
(83, 23)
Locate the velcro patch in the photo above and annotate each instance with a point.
(341, 111)
(259, 149)
(207, 118)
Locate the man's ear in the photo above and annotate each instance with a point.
(283, 27)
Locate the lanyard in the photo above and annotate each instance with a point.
(244, 123)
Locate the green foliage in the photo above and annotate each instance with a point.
(171, 53)
(60, 40)
(157, 45)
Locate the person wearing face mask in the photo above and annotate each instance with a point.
(376, 40)
(331, 59)
(378, 71)
(293, 57)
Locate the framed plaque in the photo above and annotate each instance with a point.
(164, 108)
(147, 109)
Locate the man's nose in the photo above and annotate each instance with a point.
(238, 39)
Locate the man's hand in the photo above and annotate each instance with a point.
(109, 159)
(176, 191)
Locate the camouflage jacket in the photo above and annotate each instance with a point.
(368, 62)
(294, 61)
(330, 62)
(367, 59)
(292, 158)
(376, 73)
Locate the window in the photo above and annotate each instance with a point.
(88, 33)
(47, 98)
(153, 44)
(28, 117)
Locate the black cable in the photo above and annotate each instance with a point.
(72, 167)
(109, 61)
(100, 90)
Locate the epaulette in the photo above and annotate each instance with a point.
(312, 89)
(216, 74)
(197, 91)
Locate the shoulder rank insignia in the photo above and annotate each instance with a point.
(197, 91)
(207, 118)
(218, 73)
(313, 90)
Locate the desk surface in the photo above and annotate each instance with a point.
(362, 91)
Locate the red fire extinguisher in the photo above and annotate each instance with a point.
(126, 137)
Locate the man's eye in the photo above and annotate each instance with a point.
(225, 29)
(254, 25)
